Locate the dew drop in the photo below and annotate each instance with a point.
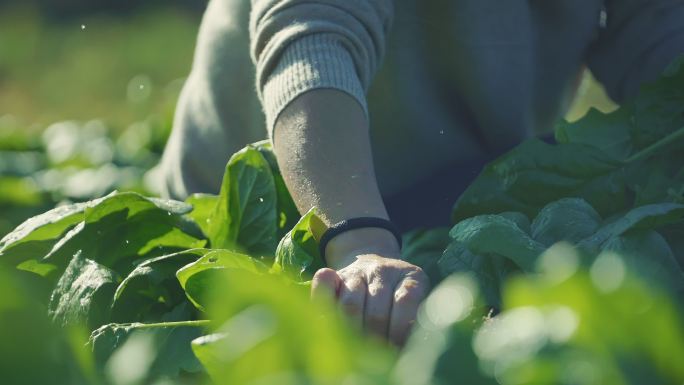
(441, 132)
(261, 200)
(83, 27)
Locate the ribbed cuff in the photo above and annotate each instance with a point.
(310, 62)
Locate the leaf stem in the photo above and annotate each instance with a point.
(168, 324)
(652, 149)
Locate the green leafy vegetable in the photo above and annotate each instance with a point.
(151, 288)
(568, 219)
(203, 206)
(297, 253)
(494, 234)
(198, 277)
(640, 218)
(37, 235)
(82, 293)
(288, 215)
(490, 271)
(245, 218)
(169, 346)
(536, 173)
(117, 229)
(259, 318)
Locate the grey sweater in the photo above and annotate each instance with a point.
(442, 81)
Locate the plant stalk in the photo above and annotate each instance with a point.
(655, 147)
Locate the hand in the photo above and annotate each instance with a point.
(379, 292)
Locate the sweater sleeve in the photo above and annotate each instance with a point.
(301, 45)
(639, 40)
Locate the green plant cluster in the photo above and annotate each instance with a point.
(564, 266)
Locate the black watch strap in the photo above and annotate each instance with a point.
(353, 224)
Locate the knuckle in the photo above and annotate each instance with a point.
(408, 293)
(418, 274)
(376, 271)
(375, 288)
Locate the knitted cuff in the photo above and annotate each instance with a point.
(310, 62)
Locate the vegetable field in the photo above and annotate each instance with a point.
(563, 266)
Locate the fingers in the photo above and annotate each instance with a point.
(407, 298)
(379, 295)
(325, 284)
(352, 299)
(378, 307)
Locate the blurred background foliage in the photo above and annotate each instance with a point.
(116, 61)
(87, 94)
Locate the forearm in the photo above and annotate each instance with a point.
(323, 148)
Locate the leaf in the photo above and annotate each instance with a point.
(535, 174)
(34, 266)
(203, 206)
(489, 271)
(647, 254)
(32, 349)
(674, 234)
(37, 235)
(172, 354)
(658, 109)
(83, 293)
(297, 254)
(125, 226)
(260, 318)
(443, 337)
(653, 114)
(590, 335)
(658, 181)
(424, 248)
(245, 337)
(520, 219)
(648, 217)
(245, 218)
(196, 278)
(152, 288)
(607, 132)
(567, 219)
(288, 215)
(494, 234)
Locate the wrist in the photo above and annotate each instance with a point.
(343, 249)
